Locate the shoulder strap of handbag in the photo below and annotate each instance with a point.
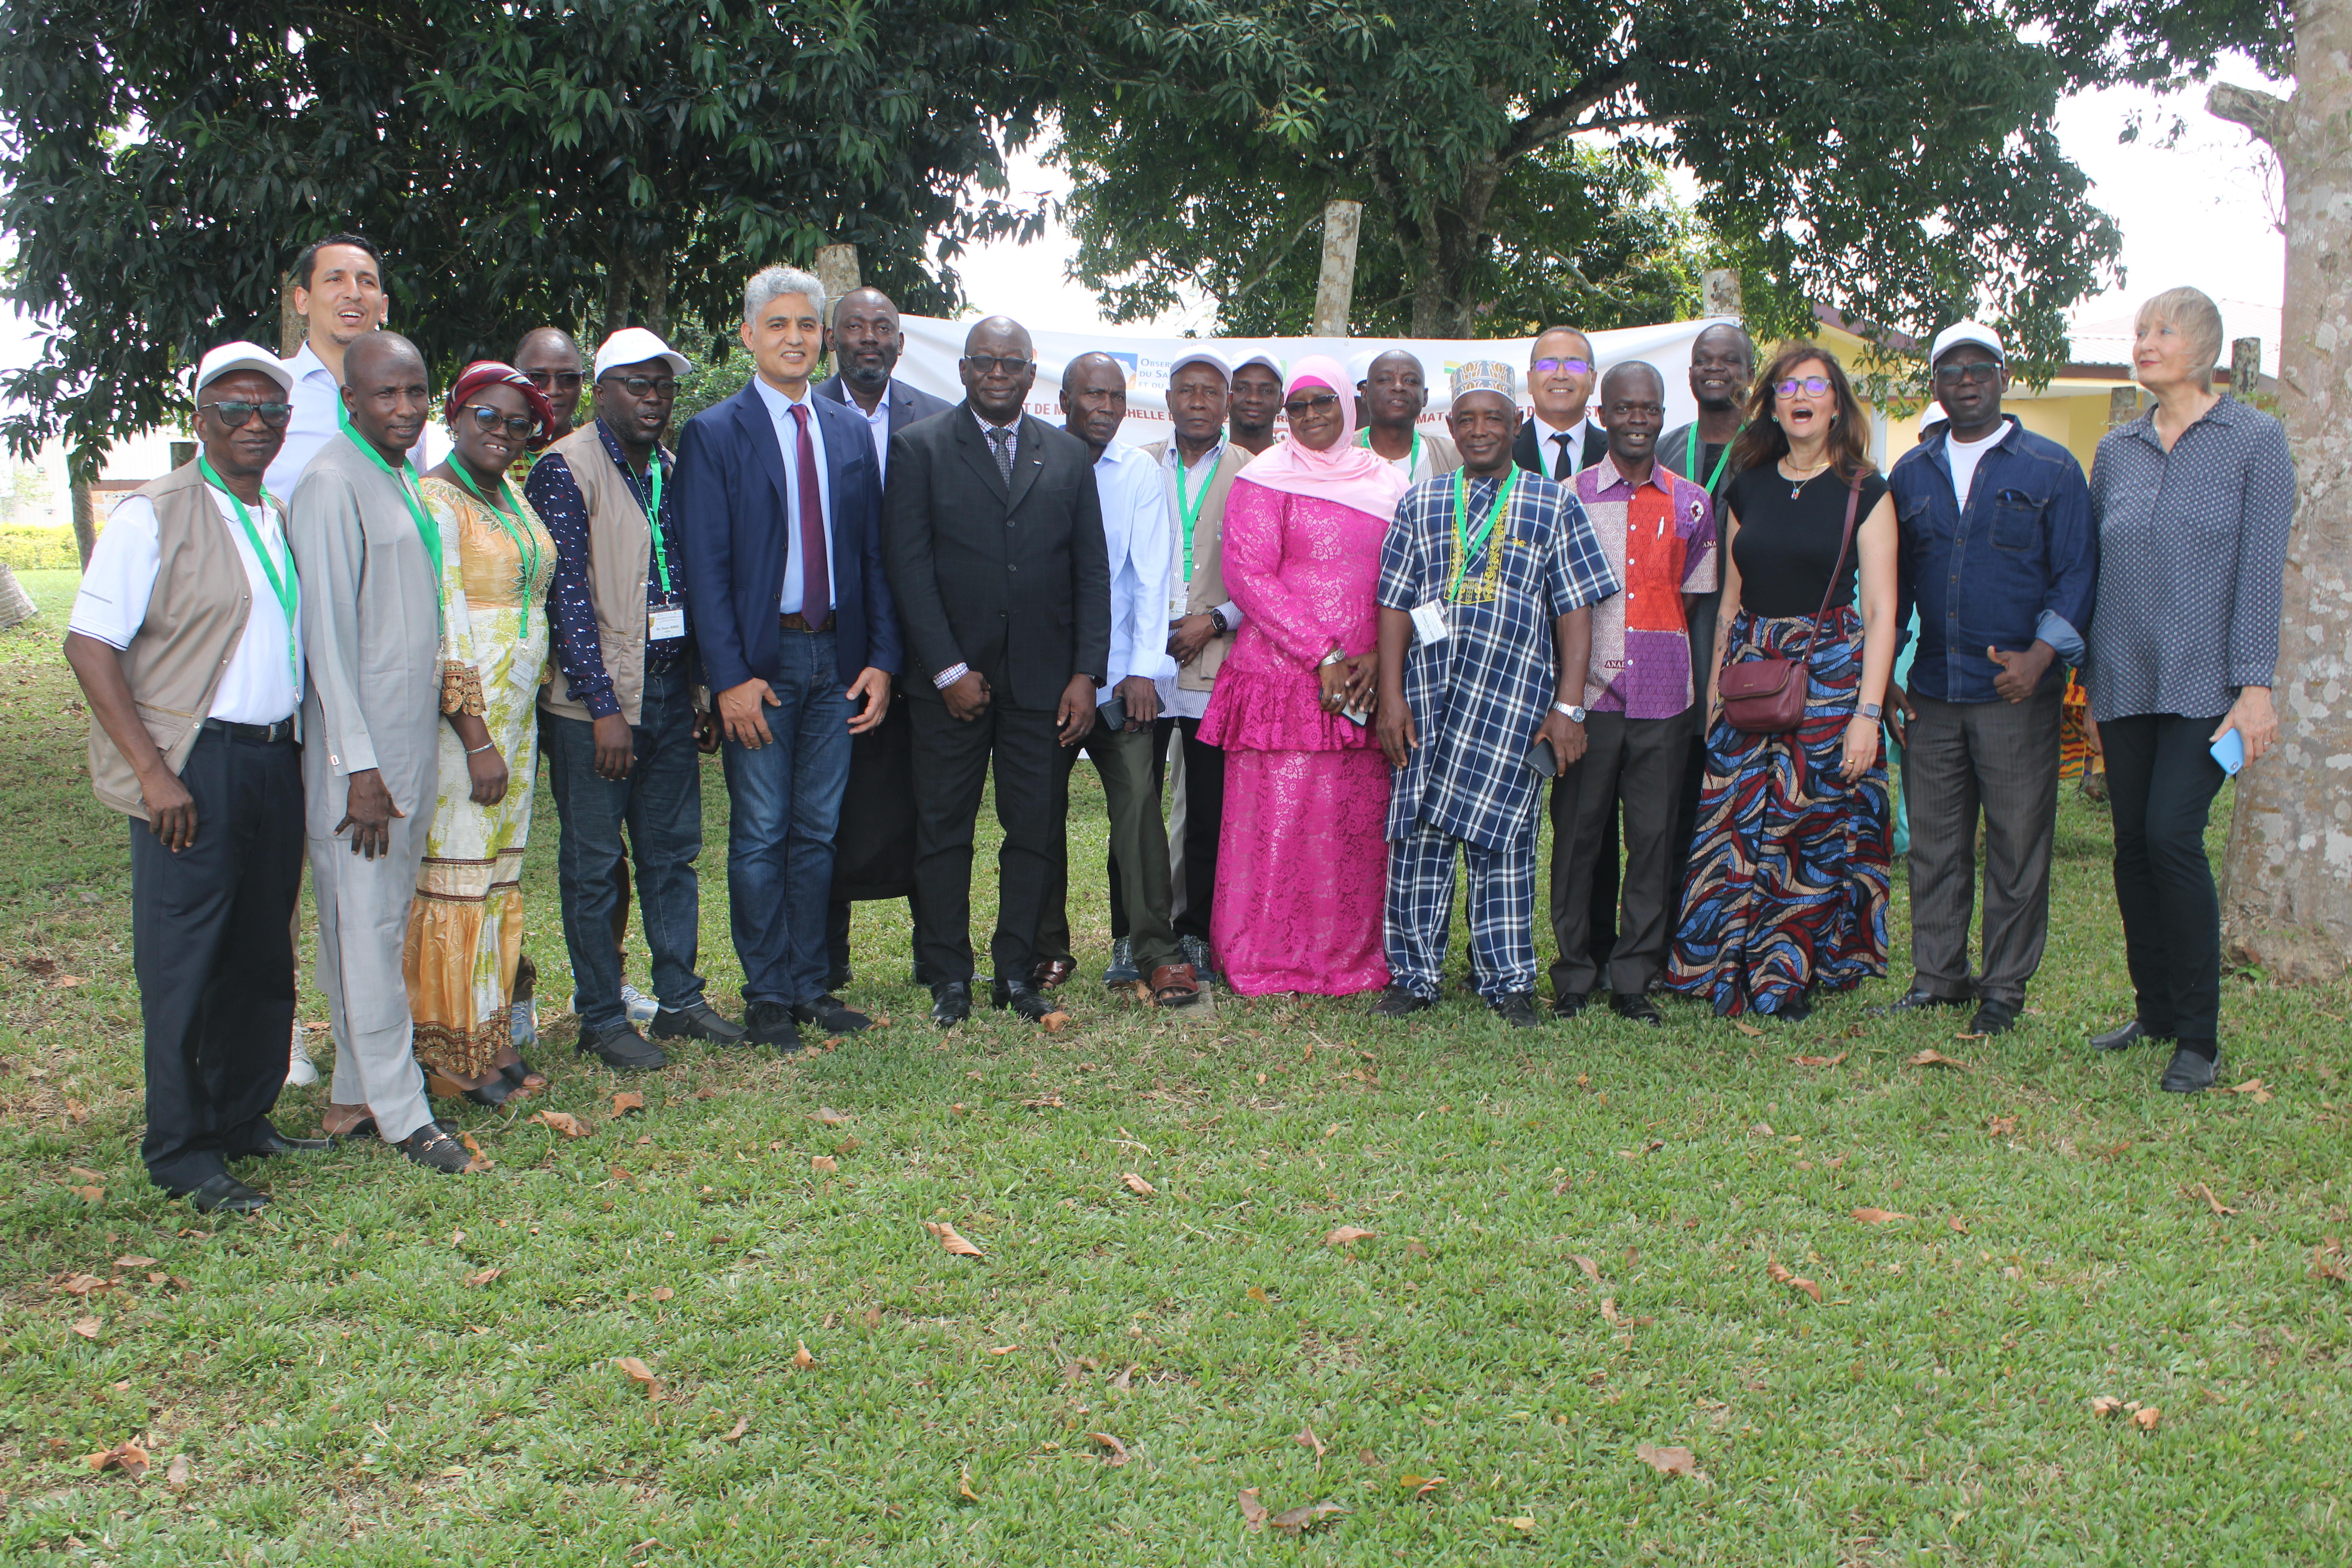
(1852, 504)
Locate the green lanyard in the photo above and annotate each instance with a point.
(286, 587)
(1413, 459)
(1190, 510)
(653, 521)
(1465, 545)
(526, 542)
(426, 529)
(1690, 460)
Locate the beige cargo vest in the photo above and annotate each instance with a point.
(620, 558)
(1208, 586)
(194, 618)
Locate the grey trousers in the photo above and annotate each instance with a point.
(1999, 758)
(1139, 847)
(362, 940)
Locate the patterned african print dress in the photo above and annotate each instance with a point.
(464, 929)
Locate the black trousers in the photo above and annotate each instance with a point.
(1204, 816)
(212, 948)
(1635, 766)
(952, 764)
(2161, 781)
(1693, 784)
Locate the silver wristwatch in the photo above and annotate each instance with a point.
(1575, 714)
(1869, 710)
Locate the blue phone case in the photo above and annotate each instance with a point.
(2230, 751)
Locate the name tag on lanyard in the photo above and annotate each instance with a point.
(666, 622)
(1429, 621)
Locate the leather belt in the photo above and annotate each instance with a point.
(264, 734)
(796, 622)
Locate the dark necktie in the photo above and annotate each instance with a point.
(1559, 469)
(999, 436)
(816, 584)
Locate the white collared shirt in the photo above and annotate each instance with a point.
(1135, 530)
(794, 598)
(261, 684)
(317, 400)
(1547, 447)
(1174, 701)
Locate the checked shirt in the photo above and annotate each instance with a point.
(1478, 695)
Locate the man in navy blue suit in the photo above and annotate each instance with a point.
(782, 500)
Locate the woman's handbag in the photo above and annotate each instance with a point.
(1766, 695)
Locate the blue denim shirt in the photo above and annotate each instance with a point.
(2021, 563)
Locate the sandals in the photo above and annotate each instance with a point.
(436, 1150)
(492, 1094)
(1174, 986)
(523, 1076)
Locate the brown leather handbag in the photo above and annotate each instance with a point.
(1766, 695)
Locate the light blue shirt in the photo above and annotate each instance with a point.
(1135, 532)
(794, 598)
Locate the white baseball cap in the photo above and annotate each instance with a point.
(1267, 360)
(1209, 357)
(243, 355)
(1960, 332)
(635, 345)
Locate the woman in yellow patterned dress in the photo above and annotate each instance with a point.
(464, 931)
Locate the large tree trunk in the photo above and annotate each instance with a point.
(1443, 255)
(2287, 888)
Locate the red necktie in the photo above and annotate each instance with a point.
(816, 589)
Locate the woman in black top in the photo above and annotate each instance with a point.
(1787, 886)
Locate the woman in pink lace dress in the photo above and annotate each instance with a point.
(1301, 857)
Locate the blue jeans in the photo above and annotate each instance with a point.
(786, 803)
(661, 804)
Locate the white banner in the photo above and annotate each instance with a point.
(933, 347)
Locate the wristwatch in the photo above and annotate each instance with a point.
(1575, 714)
(1336, 656)
(1217, 622)
(1869, 710)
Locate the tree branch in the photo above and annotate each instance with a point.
(2262, 115)
(1555, 117)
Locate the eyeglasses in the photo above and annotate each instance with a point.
(1562, 366)
(1975, 370)
(1015, 365)
(234, 413)
(1812, 386)
(1636, 410)
(488, 420)
(644, 387)
(1302, 407)
(568, 380)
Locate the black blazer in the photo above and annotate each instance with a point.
(1016, 585)
(1524, 453)
(907, 403)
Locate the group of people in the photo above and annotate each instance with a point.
(1313, 669)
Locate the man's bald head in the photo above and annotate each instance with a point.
(1094, 399)
(385, 391)
(1092, 366)
(1633, 377)
(379, 354)
(550, 357)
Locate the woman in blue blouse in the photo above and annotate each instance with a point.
(2193, 502)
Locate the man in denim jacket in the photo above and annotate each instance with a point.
(1999, 556)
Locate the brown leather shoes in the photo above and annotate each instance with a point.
(1174, 986)
(1052, 973)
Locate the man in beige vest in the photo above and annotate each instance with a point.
(369, 555)
(619, 724)
(183, 638)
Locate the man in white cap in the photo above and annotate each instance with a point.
(1257, 398)
(183, 636)
(1999, 556)
(618, 722)
(1391, 390)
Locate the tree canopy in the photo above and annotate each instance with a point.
(613, 160)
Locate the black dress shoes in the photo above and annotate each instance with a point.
(830, 1013)
(698, 1020)
(1569, 1003)
(1796, 1010)
(1517, 1009)
(771, 1023)
(1635, 1007)
(1400, 1002)
(2190, 1072)
(436, 1150)
(951, 1003)
(2124, 1036)
(1993, 1018)
(1022, 998)
(1915, 1000)
(622, 1049)
(225, 1194)
(270, 1141)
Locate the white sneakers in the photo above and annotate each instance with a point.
(641, 1008)
(300, 1072)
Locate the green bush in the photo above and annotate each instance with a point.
(30, 548)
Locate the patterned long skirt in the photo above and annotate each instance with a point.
(1788, 881)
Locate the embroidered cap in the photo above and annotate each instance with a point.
(1486, 375)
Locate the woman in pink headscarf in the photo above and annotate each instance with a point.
(1301, 857)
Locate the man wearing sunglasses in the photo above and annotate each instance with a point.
(549, 358)
(1559, 440)
(189, 608)
(1999, 556)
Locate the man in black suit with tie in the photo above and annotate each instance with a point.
(992, 534)
(874, 846)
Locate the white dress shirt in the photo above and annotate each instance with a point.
(262, 684)
(1548, 445)
(317, 400)
(1174, 701)
(878, 422)
(794, 598)
(1135, 530)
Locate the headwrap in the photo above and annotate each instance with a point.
(1344, 472)
(1486, 375)
(483, 372)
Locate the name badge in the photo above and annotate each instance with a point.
(1429, 621)
(666, 624)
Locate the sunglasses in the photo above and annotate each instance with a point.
(1560, 366)
(569, 380)
(1975, 370)
(1301, 407)
(234, 413)
(522, 426)
(644, 387)
(1812, 386)
(1015, 365)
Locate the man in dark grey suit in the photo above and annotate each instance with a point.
(874, 848)
(992, 534)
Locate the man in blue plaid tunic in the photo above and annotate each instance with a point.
(1477, 566)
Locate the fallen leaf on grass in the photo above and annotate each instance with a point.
(85, 1327)
(619, 1173)
(483, 1277)
(1933, 1059)
(2327, 1262)
(1305, 1516)
(2146, 1418)
(82, 1284)
(735, 1433)
(1252, 1511)
(830, 1117)
(2216, 1204)
(801, 1357)
(1667, 1461)
(1521, 1522)
(1045, 1103)
(1055, 1022)
(1820, 1061)
(874, 1316)
(2106, 1405)
(1956, 1225)
(1003, 1350)
(1608, 1313)
(1877, 1217)
(480, 1162)
(1306, 1438)
(38, 965)
(1137, 1186)
(628, 1103)
(963, 1486)
(1420, 1485)
(1592, 1269)
(663, 1293)
(950, 1240)
(1118, 1455)
(561, 1121)
(136, 1262)
(126, 1456)
(1779, 1274)
(1347, 1236)
(89, 1195)
(2000, 1126)
(641, 1373)
(1257, 1293)
(1125, 1380)
(706, 1094)
(2253, 1089)
(1746, 1028)
(823, 1165)
(179, 1472)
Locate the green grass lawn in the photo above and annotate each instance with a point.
(1574, 1239)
